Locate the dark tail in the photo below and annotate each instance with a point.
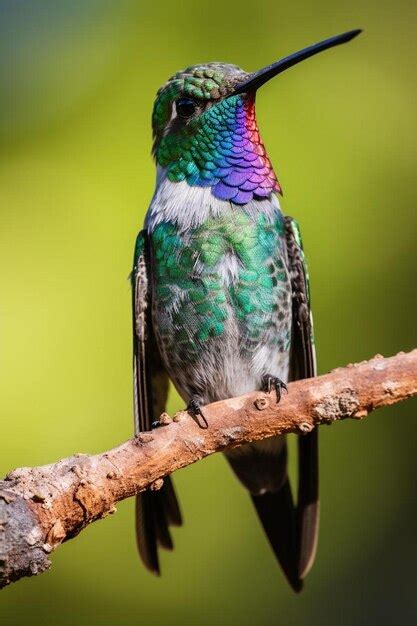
(278, 517)
(156, 511)
(291, 529)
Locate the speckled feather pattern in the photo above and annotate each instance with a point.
(222, 148)
(222, 308)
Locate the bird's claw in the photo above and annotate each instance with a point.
(273, 382)
(194, 409)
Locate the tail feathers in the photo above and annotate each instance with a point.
(308, 527)
(163, 536)
(277, 514)
(170, 503)
(146, 532)
(308, 505)
(155, 512)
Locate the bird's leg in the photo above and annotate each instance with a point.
(194, 409)
(273, 382)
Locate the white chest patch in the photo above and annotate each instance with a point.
(188, 207)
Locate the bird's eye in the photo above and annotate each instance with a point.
(185, 107)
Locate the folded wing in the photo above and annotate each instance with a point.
(156, 511)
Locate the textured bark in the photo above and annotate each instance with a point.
(40, 507)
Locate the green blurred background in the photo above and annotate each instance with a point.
(77, 82)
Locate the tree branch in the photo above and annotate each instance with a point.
(40, 507)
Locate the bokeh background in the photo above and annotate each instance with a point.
(77, 82)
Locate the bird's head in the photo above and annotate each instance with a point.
(205, 129)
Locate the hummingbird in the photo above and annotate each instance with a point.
(220, 297)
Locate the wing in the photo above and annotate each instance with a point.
(155, 510)
(303, 365)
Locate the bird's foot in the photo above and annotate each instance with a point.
(194, 409)
(273, 382)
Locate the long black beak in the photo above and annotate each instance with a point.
(255, 80)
